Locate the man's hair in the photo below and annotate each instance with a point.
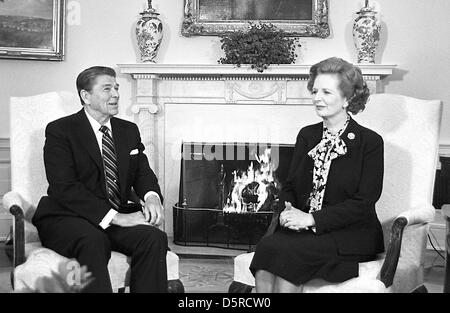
(351, 82)
(86, 78)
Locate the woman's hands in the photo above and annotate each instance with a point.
(295, 219)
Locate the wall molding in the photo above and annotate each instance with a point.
(444, 149)
(5, 162)
(4, 150)
(4, 142)
(5, 216)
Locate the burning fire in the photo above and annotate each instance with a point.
(251, 188)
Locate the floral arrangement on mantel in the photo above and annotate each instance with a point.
(260, 46)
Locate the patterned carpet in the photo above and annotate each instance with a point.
(206, 275)
(212, 274)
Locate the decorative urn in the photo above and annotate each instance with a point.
(366, 33)
(149, 34)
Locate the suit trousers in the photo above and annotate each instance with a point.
(90, 245)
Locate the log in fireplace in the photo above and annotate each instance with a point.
(227, 192)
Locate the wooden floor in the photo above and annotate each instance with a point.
(210, 270)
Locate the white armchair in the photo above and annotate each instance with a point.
(29, 117)
(410, 129)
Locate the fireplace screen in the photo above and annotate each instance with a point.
(227, 192)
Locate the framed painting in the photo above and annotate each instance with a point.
(32, 29)
(299, 18)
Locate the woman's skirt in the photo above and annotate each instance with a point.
(301, 256)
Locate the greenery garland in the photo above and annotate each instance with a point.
(261, 45)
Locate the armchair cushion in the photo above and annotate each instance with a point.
(366, 281)
(41, 262)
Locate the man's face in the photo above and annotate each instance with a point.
(102, 102)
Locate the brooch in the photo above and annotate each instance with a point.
(351, 136)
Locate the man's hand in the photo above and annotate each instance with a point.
(153, 210)
(130, 219)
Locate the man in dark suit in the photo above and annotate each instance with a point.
(94, 163)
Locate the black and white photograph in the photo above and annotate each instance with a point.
(220, 155)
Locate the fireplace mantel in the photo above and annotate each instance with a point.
(149, 76)
(377, 71)
(182, 102)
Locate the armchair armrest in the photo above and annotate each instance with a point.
(14, 204)
(390, 263)
(14, 198)
(419, 215)
(11, 199)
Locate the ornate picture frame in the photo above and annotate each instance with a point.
(32, 29)
(215, 17)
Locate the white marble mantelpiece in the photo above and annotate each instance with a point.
(373, 73)
(219, 103)
(224, 69)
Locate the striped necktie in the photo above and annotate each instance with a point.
(110, 165)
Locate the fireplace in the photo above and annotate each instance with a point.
(228, 192)
(176, 103)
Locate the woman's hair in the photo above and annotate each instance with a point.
(351, 83)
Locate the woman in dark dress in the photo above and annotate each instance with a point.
(329, 223)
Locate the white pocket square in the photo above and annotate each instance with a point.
(134, 152)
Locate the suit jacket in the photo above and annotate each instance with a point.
(74, 169)
(354, 185)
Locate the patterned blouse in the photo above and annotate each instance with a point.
(329, 148)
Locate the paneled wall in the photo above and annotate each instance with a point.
(441, 194)
(5, 185)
